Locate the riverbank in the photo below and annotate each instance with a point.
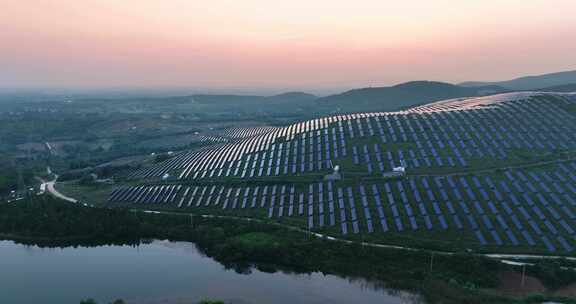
(460, 278)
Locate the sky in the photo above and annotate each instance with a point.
(270, 44)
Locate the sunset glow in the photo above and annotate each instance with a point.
(288, 44)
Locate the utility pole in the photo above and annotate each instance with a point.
(523, 279)
(21, 188)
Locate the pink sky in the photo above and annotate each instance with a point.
(280, 44)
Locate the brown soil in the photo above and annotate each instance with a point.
(568, 291)
(511, 284)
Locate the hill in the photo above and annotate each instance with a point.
(225, 99)
(401, 96)
(560, 88)
(288, 97)
(530, 82)
(291, 97)
(288, 103)
(483, 174)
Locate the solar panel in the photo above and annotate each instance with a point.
(487, 222)
(428, 222)
(565, 244)
(568, 212)
(566, 227)
(528, 238)
(538, 212)
(369, 226)
(492, 208)
(496, 237)
(478, 207)
(384, 224)
(457, 221)
(524, 213)
(512, 237)
(471, 194)
(550, 227)
(480, 237)
(535, 227)
(422, 209)
(344, 228)
(548, 244)
(394, 211)
(398, 224)
(472, 222)
(355, 228)
(457, 194)
(321, 220)
(443, 223)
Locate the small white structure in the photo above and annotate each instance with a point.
(334, 175)
(165, 176)
(396, 172)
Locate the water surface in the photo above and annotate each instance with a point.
(162, 272)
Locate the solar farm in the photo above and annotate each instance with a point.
(487, 174)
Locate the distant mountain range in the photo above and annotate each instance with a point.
(396, 97)
(289, 97)
(401, 96)
(560, 88)
(390, 98)
(365, 99)
(530, 82)
(420, 92)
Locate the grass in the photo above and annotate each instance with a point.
(92, 194)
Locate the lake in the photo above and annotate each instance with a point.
(162, 272)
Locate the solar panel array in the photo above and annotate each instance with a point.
(515, 207)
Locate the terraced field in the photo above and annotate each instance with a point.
(490, 174)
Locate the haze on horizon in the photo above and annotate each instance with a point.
(319, 44)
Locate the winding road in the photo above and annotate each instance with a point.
(50, 188)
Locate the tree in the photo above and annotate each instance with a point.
(206, 301)
(92, 301)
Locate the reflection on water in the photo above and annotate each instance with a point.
(164, 272)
